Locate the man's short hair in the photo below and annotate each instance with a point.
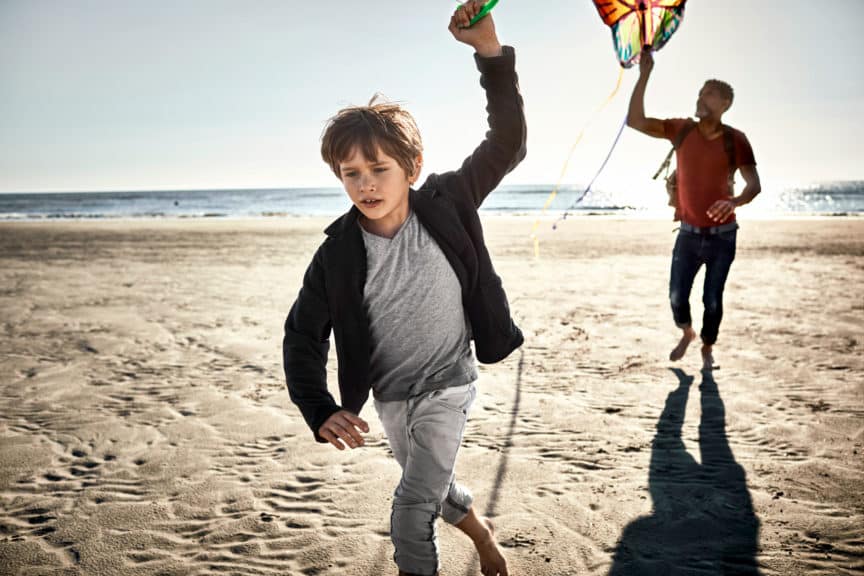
(379, 124)
(723, 88)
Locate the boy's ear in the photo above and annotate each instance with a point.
(418, 167)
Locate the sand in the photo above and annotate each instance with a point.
(145, 427)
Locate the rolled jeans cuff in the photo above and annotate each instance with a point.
(456, 505)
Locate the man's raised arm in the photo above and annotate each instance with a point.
(636, 116)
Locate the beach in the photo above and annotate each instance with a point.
(145, 426)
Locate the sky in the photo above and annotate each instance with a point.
(184, 94)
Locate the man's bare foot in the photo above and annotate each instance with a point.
(678, 352)
(708, 359)
(492, 562)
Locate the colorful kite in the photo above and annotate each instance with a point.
(639, 23)
(635, 24)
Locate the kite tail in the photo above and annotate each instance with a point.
(554, 192)
(590, 184)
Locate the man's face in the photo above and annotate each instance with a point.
(378, 188)
(711, 103)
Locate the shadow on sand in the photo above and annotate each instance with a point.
(492, 505)
(702, 521)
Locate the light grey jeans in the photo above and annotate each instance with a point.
(425, 432)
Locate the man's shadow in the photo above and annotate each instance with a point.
(702, 520)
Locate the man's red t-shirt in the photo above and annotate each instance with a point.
(703, 171)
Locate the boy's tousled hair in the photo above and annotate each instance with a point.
(379, 124)
(723, 88)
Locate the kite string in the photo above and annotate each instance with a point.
(590, 184)
(554, 192)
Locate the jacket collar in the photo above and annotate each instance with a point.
(344, 223)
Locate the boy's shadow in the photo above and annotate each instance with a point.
(702, 520)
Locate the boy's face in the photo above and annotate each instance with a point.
(379, 189)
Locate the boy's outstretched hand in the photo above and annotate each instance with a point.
(344, 425)
(481, 36)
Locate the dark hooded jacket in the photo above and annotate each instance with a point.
(446, 205)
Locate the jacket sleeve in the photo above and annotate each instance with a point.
(305, 346)
(504, 145)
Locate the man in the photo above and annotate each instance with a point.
(708, 154)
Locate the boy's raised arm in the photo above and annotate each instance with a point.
(504, 145)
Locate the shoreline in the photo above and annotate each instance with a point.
(484, 215)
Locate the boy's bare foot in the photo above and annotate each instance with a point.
(679, 350)
(708, 359)
(482, 533)
(492, 562)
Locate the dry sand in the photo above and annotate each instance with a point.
(145, 427)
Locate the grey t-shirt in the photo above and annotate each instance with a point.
(419, 330)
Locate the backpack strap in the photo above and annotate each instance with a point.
(682, 134)
(729, 146)
(676, 143)
(664, 165)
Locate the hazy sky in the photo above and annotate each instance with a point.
(152, 94)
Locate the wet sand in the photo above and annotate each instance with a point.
(145, 427)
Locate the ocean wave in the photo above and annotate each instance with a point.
(823, 199)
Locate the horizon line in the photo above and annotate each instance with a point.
(275, 188)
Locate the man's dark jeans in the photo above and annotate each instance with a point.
(716, 252)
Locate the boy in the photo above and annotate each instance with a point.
(405, 281)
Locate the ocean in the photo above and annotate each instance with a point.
(826, 199)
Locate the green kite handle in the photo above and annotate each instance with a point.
(483, 12)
